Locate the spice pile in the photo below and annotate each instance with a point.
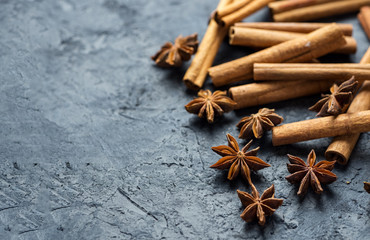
(285, 67)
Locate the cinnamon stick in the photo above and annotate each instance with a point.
(230, 8)
(256, 94)
(341, 147)
(331, 126)
(364, 18)
(310, 71)
(200, 79)
(282, 6)
(320, 11)
(262, 38)
(196, 74)
(300, 27)
(312, 45)
(242, 12)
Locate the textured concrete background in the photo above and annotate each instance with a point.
(95, 142)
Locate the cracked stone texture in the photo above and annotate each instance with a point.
(96, 144)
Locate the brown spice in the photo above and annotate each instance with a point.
(259, 207)
(310, 173)
(343, 124)
(364, 19)
(238, 160)
(238, 14)
(334, 72)
(172, 55)
(341, 147)
(338, 101)
(283, 6)
(299, 27)
(256, 124)
(255, 94)
(263, 38)
(367, 186)
(310, 13)
(230, 8)
(206, 104)
(302, 49)
(197, 72)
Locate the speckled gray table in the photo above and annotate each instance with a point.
(95, 142)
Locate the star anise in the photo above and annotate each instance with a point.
(238, 160)
(207, 104)
(256, 124)
(338, 101)
(310, 173)
(367, 186)
(259, 207)
(172, 55)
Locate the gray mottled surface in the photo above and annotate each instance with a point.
(95, 142)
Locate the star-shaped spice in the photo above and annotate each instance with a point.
(238, 161)
(172, 55)
(310, 173)
(206, 104)
(338, 101)
(256, 124)
(367, 186)
(259, 207)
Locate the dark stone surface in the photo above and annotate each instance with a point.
(95, 142)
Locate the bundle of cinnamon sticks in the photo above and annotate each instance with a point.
(285, 66)
(300, 49)
(227, 13)
(263, 35)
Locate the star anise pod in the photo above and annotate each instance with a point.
(310, 173)
(367, 186)
(172, 55)
(256, 124)
(259, 207)
(238, 160)
(206, 104)
(338, 101)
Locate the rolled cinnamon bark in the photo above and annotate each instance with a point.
(347, 123)
(310, 71)
(262, 38)
(256, 94)
(207, 63)
(312, 45)
(196, 74)
(364, 18)
(299, 27)
(223, 4)
(230, 8)
(320, 11)
(282, 6)
(341, 147)
(242, 12)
